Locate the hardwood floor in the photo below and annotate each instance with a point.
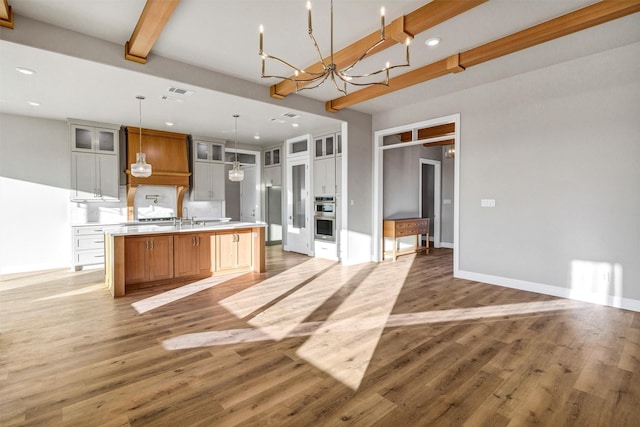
(312, 343)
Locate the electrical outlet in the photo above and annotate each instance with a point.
(488, 203)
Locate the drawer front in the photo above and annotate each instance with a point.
(89, 242)
(83, 231)
(89, 257)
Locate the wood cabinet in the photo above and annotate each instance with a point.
(176, 256)
(94, 161)
(234, 251)
(148, 258)
(396, 228)
(208, 181)
(194, 254)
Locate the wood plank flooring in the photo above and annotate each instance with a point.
(312, 343)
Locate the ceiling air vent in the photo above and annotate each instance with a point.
(180, 91)
(290, 115)
(170, 99)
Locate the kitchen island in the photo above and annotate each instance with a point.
(146, 255)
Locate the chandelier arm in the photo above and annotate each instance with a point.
(319, 80)
(285, 63)
(335, 83)
(315, 44)
(364, 55)
(342, 72)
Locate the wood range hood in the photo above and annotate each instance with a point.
(168, 155)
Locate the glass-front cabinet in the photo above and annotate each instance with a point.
(324, 146)
(272, 156)
(94, 139)
(94, 161)
(208, 169)
(208, 151)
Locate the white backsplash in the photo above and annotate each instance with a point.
(116, 212)
(162, 205)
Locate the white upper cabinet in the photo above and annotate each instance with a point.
(324, 146)
(94, 161)
(208, 169)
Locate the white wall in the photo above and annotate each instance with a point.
(35, 175)
(558, 149)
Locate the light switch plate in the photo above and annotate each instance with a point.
(446, 202)
(488, 203)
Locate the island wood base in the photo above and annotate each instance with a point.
(158, 258)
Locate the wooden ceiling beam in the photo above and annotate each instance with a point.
(154, 16)
(421, 19)
(430, 132)
(589, 16)
(6, 14)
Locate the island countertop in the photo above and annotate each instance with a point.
(156, 254)
(132, 230)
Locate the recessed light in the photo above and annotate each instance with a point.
(168, 123)
(27, 71)
(256, 136)
(434, 41)
(33, 103)
(295, 125)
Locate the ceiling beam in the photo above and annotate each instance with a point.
(589, 16)
(6, 14)
(430, 132)
(421, 19)
(152, 20)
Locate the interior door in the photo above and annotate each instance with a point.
(248, 198)
(298, 206)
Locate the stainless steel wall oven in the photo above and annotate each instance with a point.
(325, 219)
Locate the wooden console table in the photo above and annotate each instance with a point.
(395, 228)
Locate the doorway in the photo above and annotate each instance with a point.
(413, 131)
(242, 199)
(429, 197)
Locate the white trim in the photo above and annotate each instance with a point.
(437, 174)
(447, 245)
(378, 149)
(556, 291)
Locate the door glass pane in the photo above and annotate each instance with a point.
(319, 147)
(106, 141)
(83, 138)
(216, 152)
(329, 145)
(299, 146)
(202, 151)
(247, 159)
(339, 137)
(267, 158)
(299, 195)
(276, 156)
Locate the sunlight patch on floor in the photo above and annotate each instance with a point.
(345, 354)
(85, 290)
(168, 297)
(280, 319)
(251, 299)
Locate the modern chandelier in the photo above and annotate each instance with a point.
(236, 174)
(140, 169)
(340, 77)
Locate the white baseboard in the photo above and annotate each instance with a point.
(446, 245)
(556, 291)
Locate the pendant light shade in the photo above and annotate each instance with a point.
(140, 169)
(236, 174)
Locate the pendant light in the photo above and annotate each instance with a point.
(140, 169)
(236, 174)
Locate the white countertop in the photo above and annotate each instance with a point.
(131, 230)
